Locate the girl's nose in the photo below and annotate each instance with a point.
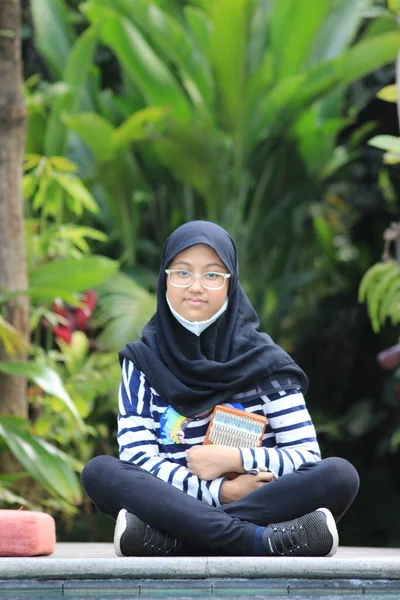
(196, 284)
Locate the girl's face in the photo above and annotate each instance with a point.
(196, 303)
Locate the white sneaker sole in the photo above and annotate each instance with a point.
(120, 527)
(330, 521)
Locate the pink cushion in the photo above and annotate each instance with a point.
(26, 533)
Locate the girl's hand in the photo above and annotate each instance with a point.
(211, 461)
(235, 489)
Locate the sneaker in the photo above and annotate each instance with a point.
(133, 537)
(314, 534)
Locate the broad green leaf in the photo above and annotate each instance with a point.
(139, 126)
(293, 28)
(46, 467)
(196, 156)
(295, 94)
(8, 497)
(380, 25)
(9, 479)
(76, 465)
(200, 28)
(77, 232)
(394, 6)
(124, 309)
(63, 164)
(317, 140)
(79, 62)
(259, 34)
(170, 38)
(338, 29)
(29, 185)
(11, 338)
(53, 33)
(42, 295)
(139, 60)
(75, 188)
(46, 378)
(376, 11)
(76, 352)
(359, 60)
(228, 51)
(385, 142)
(72, 275)
(205, 5)
(76, 73)
(55, 136)
(119, 178)
(325, 236)
(391, 158)
(95, 131)
(388, 93)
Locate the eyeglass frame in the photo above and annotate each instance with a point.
(194, 276)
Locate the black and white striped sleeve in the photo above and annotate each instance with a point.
(138, 442)
(290, 424)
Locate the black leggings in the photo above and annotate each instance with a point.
(113, 484)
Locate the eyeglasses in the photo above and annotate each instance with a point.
(183, 279)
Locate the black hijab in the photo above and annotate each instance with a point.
(231, 360)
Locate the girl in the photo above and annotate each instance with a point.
(202, 348)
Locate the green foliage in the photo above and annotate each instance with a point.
(91, 379)
(43, 461)
(76, 275)
(380, 289)
(46, 379)
(124, 309)
(10, 338)
(59, 267)
(240, 128)
(52, 186)
(391, 144)
(53, 33)
(48, 465)
(224, 110)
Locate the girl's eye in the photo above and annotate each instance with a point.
(184, 273)
(211, 275)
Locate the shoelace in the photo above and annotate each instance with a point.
(156, 540)
(287, 540)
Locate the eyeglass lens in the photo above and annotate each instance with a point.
(208, 280)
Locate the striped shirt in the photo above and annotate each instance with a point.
(153, 436)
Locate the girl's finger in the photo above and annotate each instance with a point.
(265, 477)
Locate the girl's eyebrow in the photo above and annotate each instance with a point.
(185, 262)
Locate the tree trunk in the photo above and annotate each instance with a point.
(13, 272)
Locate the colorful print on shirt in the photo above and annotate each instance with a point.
(172, 427)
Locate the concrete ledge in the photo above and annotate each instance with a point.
(178, 568)
(199, 589)
(305, 568)
(103, 568)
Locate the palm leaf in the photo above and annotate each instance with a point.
(124, 309)
(39, 461)
(141, 63)
(286, 101)
(292, 20)
(174, 41)
(54, 35)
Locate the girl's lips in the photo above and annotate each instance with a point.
(195, 301)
